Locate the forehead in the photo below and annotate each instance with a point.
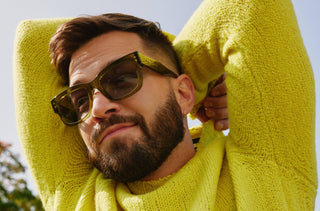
(91, 58)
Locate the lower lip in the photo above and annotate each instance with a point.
(110, 135)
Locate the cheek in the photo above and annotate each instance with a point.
(152, 94)
(85, 132)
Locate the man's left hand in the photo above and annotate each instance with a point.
(215, 106)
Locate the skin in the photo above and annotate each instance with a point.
(215, 106)
(91, 58)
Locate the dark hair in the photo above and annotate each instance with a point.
(73, 34)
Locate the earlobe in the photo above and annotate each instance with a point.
(185, 93)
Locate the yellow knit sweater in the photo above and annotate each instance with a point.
(267, 162)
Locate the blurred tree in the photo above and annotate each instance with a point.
(14, 193)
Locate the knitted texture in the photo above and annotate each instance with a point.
(267, 162)
(270, 148)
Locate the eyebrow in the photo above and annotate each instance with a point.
(78, 81)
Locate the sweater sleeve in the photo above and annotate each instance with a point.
(270, 82)
(55, 153)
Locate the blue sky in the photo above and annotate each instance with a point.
(171, 14)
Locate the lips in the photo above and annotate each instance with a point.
(113, 130)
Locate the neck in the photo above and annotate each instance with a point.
(179, 156)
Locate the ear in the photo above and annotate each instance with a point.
(184, 91)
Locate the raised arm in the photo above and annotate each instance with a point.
(55, 153)
(270, 83)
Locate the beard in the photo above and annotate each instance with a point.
(130, 159)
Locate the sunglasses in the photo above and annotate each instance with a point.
(119, 80)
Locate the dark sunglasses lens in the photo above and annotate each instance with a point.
(121, 80)
(75, 105)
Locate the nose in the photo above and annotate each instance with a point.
(102, 107)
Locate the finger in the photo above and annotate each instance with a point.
(221, 79)
(201, 115)
(215, 102)
(217, 113)
(220, 125)
(219, 90)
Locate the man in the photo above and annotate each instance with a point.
(129, 99)
(127, 61)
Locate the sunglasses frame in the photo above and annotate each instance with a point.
(140, 60)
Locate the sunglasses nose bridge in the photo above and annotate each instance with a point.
(95, 87)
(102, 105)
(95, 91)
(98, 90)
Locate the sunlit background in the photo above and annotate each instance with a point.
(171, 14)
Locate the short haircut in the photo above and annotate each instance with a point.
(75, 33)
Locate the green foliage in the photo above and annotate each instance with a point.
(14, 193)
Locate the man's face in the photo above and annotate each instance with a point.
(127, 139)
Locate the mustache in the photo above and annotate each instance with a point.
(112, 120)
